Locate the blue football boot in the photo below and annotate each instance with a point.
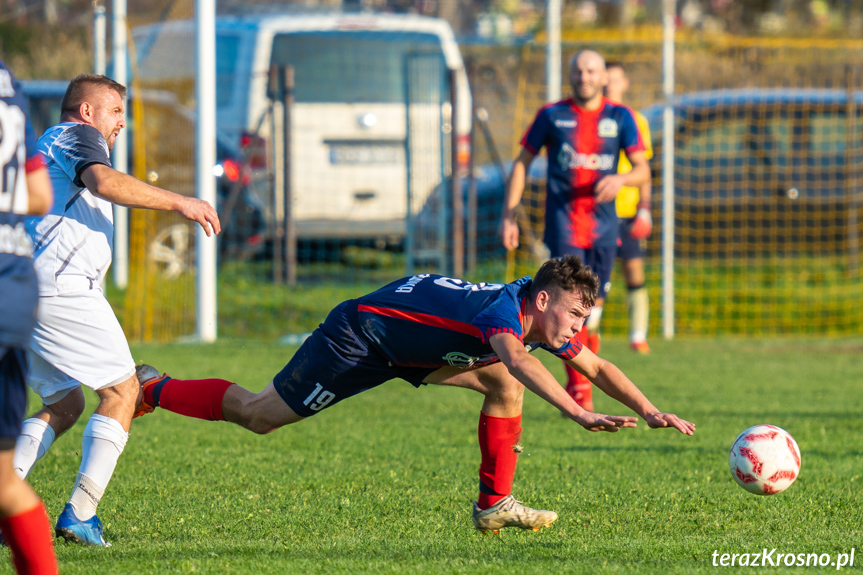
(70, 528)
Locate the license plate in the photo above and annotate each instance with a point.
(365, 154)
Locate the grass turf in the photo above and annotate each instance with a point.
(382, 483)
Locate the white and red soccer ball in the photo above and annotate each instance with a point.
(764, 460)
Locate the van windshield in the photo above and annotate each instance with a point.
(351, 66)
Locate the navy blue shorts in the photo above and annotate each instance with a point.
(630, 248)
(13, 394)
(600, 260)
(336, 362)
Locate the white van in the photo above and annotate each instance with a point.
(349, 153)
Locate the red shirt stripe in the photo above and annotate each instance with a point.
(424, 318)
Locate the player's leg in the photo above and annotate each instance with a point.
(638, 303)
(316, 377)
(499, 433)
(601, 262)
(23, 521)
(62, 405)
(215, 400)
(80, 337)
(632, 252)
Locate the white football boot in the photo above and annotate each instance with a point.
(511, 513)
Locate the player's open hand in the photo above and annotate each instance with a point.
(607, 188)
(508, 231)
(203, 213)
(657, 420)
(599, 422)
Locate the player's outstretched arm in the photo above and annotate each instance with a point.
(123, 189)
(534, 376)
(514, 189)
(608, 377)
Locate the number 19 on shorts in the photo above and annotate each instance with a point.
(319, 398)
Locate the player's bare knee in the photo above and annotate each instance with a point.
(124, 393)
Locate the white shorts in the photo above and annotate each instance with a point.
(77, 341)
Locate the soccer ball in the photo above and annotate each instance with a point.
(764, 460)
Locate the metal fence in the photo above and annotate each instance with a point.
(766, 210)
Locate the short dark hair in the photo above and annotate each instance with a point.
(615, 64)
(566, 274)
(76, 92)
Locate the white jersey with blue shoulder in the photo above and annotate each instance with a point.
(73, 242)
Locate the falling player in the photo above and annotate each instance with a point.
(430, 329)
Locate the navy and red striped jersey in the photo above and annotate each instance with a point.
(430, 320)
(583, 146)
(18, 157)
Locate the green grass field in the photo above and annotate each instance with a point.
(382, 483)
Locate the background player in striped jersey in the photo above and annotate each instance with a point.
(430, 329)
(584, 137)
(636, 223)
(24, 190)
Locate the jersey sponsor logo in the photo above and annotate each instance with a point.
(565, 123)
(459, 359)
(607, 128)
(458, 284)
(15, 240)
(569, 159)
(409, 285)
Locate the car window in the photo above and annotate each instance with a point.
(827, 132)
(722, 138)
(350, 66)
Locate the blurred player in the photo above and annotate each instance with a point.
(430, 329)
(636, 223)
(24, 190)
(584, 137)
(78, 340)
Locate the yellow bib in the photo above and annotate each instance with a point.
(627, 198)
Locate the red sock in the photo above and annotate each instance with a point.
(201, 398)
(28, 536)
(578, 386)
(498, 437)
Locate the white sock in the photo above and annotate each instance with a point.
(35, 439)
(593, 320)
(639, 309)
(104, 440)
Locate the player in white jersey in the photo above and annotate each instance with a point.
(78, 340)
(24, 190)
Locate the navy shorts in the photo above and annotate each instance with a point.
(13, 394)
(600, 260)
(630, 248)
(336, 362)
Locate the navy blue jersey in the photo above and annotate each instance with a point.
(18, 155)
(433, 321)
(583, 147)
